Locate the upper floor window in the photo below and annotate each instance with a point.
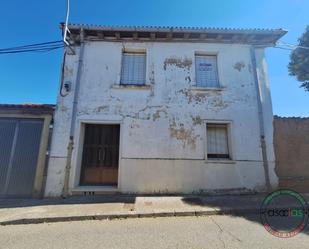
(133, 68)
(206, 71)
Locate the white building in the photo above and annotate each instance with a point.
(163, 110)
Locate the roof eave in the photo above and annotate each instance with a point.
(211, 35)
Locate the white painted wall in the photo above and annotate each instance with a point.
(163, 126)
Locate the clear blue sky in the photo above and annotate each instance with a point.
(34, 77)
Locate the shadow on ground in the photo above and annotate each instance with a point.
(245, 203)
(245, 206)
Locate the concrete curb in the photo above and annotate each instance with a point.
(39, 220)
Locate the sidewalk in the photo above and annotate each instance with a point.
(20, 211)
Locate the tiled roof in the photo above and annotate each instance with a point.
(28, 107)
(291, 118)
(175, 28)
(267, 37)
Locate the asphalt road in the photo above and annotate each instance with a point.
(181, 232)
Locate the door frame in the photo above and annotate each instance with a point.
(79, 152)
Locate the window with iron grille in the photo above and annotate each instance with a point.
(206, 71)
(133, 69)
(217, 141)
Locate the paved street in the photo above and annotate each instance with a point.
(178, 232)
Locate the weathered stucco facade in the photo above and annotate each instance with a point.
(163, 124)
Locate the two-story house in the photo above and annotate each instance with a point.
(163, 110)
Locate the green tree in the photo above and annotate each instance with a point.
(299, 60)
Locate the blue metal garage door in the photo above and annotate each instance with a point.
(19, 150)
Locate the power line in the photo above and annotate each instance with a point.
(289, 46)
(44, 46)
(37, 47)
(31, 50)
(33, 45)
(292, 45)
(290, 49)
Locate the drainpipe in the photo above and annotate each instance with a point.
(261, 119)
(73, 119)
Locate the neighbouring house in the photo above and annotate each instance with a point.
(24, 139)
(291, 142)
(163, 110)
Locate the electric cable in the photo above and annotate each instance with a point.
(37, 47)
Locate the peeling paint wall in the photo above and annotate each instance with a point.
(163, 124)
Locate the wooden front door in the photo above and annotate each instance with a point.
(100, 155)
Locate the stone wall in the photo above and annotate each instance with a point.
(291, 143)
